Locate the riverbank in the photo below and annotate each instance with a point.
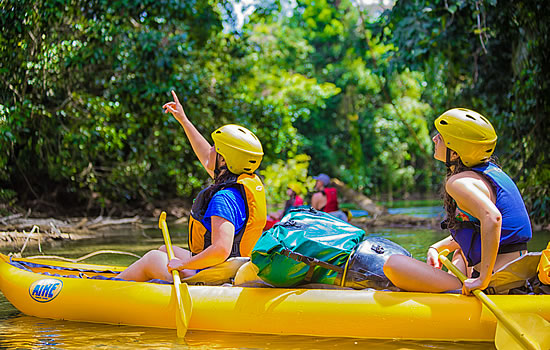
(18, 230)
(28, 227)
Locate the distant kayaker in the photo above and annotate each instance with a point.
(325, 197)
(486, 214)
(227, 217)
(294, 200)
(293, 191)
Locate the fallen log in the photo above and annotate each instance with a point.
(16, 223)
(17, 239)
(113, 222)
(360, 200)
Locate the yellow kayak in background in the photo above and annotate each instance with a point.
(86, 292)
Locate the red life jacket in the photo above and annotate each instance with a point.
(298, 201)
(332, 199)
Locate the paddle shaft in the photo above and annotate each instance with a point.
(512, 326)
(181, 327)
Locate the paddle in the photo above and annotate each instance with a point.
(185, 304)
(509, 334)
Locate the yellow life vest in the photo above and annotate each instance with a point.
(544, 266)
(253, 192)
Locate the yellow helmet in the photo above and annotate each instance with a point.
(468, 133)
(295, 187)
(240, 148)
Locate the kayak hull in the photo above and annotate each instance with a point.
(315, 312)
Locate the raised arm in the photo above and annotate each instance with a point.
(200, 145)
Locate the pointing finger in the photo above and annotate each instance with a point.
(175, 97)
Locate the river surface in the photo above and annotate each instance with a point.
(18, 331)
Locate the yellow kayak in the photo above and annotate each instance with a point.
(86, 292)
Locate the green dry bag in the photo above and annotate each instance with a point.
(308, 233)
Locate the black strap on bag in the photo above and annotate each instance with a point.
(313, 262)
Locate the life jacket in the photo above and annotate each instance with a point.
(252, 190)
(298, 201)
(544, 266)
(516, 226)
(332, 200)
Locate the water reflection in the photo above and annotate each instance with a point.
(31, 332)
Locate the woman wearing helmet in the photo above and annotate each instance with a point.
(294, 200)
(293, 191)
(486, 215)
(227, 217)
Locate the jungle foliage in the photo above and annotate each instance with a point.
(83, 83)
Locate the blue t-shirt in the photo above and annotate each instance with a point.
(228, 204)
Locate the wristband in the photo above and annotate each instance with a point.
(434, 248)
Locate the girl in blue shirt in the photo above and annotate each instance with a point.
(486, 215)
(222, 209)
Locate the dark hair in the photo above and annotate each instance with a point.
(221, 179)
(448, 202)
(290, 202)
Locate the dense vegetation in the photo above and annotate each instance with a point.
(326, 85)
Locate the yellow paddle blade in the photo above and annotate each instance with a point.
(184, 312)
(183, 315)
(537, 327)
(185, 305)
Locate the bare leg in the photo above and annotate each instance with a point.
(182, 254)
(151, 265)
(460, 261)
(416, 276)
(179, 253)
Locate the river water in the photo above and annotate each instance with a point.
(18, 331)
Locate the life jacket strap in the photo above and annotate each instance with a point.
(510, 248)
(461, 225)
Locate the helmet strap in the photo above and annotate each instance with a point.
(448, 162)
(218, 169)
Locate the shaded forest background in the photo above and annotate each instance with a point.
(327, 86)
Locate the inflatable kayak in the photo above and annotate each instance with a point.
(91, 293)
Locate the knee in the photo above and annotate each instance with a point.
(162, 248)
(152, 255)
(394, 265)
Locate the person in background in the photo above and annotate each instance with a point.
(486, 214)
(294, 200)
(227, 217)
(293, 192)
(325, 197)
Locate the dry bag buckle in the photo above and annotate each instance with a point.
(377, 248)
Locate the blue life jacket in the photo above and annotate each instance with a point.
(516, 226)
